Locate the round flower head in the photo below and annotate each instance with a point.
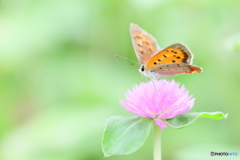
(158, 100)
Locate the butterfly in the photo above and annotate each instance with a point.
(156, 62)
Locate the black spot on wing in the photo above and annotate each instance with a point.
(173, 51)
(184, 60)
(185, 55)
(146, 43)
(138, 37)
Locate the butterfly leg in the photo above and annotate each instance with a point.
(153, 83)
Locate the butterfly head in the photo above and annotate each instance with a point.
(142, 68)
(148, 73)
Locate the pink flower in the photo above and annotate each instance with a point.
(158, 100)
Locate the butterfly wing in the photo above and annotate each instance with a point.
(169, 70)
(145, 45)
(176, 53)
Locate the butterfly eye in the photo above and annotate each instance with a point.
(142, 68)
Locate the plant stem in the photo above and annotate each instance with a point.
(157, 143)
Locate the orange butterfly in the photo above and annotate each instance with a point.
(156, 62)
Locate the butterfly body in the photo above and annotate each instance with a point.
(156, 62)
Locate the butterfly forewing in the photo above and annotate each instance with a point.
(144, 44)
(185, 51)
(176, 53)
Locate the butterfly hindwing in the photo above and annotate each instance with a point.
(145, 45)
(172, 69)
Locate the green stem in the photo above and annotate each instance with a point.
(157, 143)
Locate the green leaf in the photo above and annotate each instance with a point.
(125, 135)
(186, 119)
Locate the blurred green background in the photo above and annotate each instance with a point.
(60, 80)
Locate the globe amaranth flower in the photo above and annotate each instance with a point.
(158, 100)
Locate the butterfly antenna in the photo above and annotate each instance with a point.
(135, 62)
